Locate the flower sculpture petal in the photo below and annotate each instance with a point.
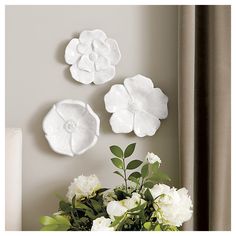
(92, 57)
(136, 106)
(71, 127)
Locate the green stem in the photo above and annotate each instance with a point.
(124, 169)
(141, 185)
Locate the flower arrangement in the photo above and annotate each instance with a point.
(142, 203)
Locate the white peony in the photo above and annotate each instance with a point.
(152, 158)
(115, 208)
(102, 224)
(173, 206)
(83, 186)
(132, 202)
(119, 208)
(92, 57)
(136, 106)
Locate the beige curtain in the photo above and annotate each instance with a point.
(204, 113)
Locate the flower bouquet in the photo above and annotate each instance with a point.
(142, 203)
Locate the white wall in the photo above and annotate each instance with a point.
(37, 77)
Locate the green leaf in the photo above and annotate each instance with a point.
(121, 194)
(140, 207)
(117, 162)
(118, 173)
(159, 177)
(101, 190)
(49, 228)
(73, 201)
(90, 215)
(96, 205)
(55, 223)
(147, 225)
(148, 184)
(148, 195)
(133, 179)
(47, 220)
(117, 151)
(155, 167)
(82, 206)
(135, 175)
(65, 206)
(62, 220)
(157, 228)
(129, 150)
(144, 170)
(134, 164)
(117, 220)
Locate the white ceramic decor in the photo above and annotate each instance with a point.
(71, 127)
(136, 106)
(92, 57)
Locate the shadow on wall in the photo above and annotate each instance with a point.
(35, 127)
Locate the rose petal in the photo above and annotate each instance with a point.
(71, 110)
(60, 142)
(122, 121)
(138, 86)
(85, 64)
(103, 76)
(71, 53)
(117, 98)
(145, 124)
(82, 76)
(82, 140)
(157, 104)
(101, 63)
(114, 53)
(84, 48)
(53, 122)
(101, 47)
(88, 36)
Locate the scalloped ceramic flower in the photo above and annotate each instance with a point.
(71, 127)
(92, 57)
(136, 106)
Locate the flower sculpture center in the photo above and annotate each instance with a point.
(93, 56)
(70, 126)
(134, 106)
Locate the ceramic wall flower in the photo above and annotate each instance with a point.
(71, 127)
(92, 57)
(136, 106)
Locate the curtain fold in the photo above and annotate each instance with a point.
(204, 113)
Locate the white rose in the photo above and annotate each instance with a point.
(115, 208)
(173, 206)
(152, 158)
(119, 208)
(83, 186)
(102, 224)
(133, 202)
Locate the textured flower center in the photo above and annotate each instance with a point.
(134, 106)
(70, 126)
(93, 56)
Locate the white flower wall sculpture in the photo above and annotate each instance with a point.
(136, 106)
(71, 127)
(92, 57)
